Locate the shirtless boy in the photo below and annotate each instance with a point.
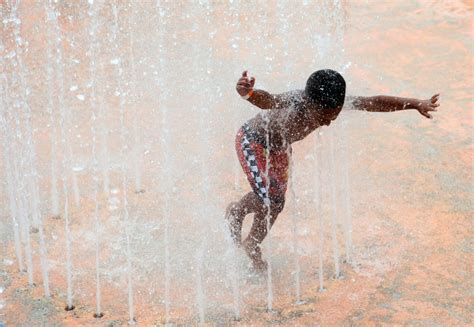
(289, 118)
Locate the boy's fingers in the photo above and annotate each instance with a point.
(252, 81)
(423, 113)
(244, 84)
(244, 74)
(244, 79)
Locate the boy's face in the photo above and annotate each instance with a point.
(324, 117)
(334, 114)
(330, 116)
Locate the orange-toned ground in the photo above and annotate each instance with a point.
(410, 179)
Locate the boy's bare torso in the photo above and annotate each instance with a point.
(288, 124)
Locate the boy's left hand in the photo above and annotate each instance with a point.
(425, 106)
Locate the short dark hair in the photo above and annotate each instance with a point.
(327, 88)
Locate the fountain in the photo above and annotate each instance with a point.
(110, 157)
(101, 160)
(152, 106)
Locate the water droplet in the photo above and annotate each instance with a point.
(73, 88)
(51, 15)
(112, 207)
(81, 97)
(7, 262)
(10, 55)
(77, 168)
(115, 61)
(114, 201)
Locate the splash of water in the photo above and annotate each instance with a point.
(268, 218)
(30, 153)
(294, 217)
(335, 244)
(51, 15)
(66, 119)
(167, 163)
(136, 135)
(319, 211)
(18, 165)
(123, 132)
(93, 49)
(284, 30)
(8, 159)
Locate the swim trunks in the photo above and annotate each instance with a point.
(252, 153)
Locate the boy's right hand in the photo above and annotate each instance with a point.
(244, 84)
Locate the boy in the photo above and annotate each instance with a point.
(290, 118)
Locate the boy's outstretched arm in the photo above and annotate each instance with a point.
(259, 98)
(385, 103)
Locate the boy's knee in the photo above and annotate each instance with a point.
(277, 205)
(233, 209)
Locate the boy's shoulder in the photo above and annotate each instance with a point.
(291, 98)
(294, 95)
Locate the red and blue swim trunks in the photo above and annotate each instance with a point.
(252, 152)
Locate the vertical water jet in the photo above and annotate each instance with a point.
(123, 168)
(319, 208)
(8, 159)
(335, 244)
(32, 179)
(93, 50)
(137, 146)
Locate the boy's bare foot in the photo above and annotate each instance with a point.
(260, 266)
(255, 254)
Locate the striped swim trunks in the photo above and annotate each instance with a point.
(252, 153)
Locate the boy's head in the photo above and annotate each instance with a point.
(327, 88)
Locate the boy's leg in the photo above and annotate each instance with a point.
(236, 212)
(259, 231)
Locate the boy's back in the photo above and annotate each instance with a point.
(291, 122)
